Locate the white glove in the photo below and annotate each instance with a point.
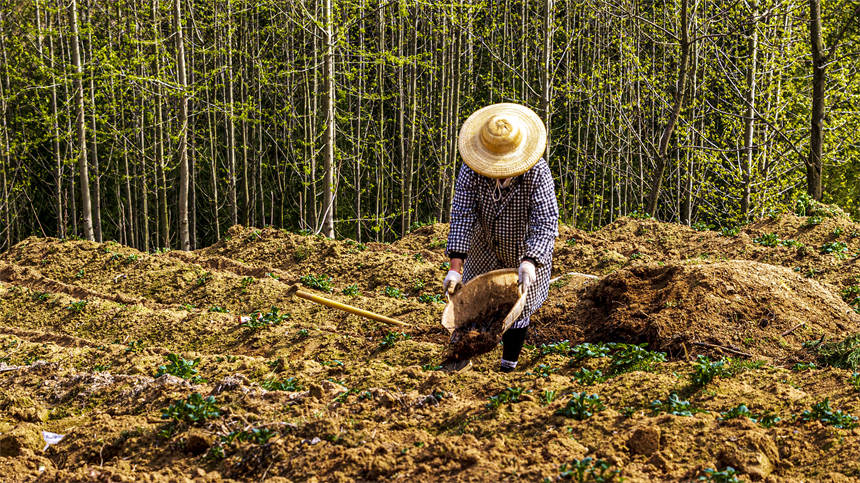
(451, 280)
(527, 274)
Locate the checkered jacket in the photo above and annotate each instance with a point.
(493, 234)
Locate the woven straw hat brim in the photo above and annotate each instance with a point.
(510, 164)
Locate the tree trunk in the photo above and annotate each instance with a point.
(184, 238)
(328, 182)
(816, 141)
(231, 133)
(680, 89)
(94, 153)
(749, 122)
(86, 206)
(160, 177)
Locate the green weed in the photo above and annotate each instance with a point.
(730, 231)
(289, 385)
(431, 298)
(219, 309)
(77, 307)
(588, 350)
(588, 469)
(823, 412)
(767, 239)
(391, 338)
(134, 346)
(561, 348)
(258, 319)
(582, 406)
(203, 278)
(854, 380)
(547, 397)
(844, 354)
(180, 367)
(508, 396)
(803, 366)
(195, 409)
(738, 411)
(728, 475)
(705, 370)
(40, 296)
(837, 248)
(351, 290)
(588, 377)
(318, 282)
(394, 293)
(673, 405)
(543, 370)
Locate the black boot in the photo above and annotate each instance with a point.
(512, 342)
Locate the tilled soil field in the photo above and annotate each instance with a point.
(200, 366)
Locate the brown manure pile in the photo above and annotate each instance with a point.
(735, 307)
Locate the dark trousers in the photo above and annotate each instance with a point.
(512, 341)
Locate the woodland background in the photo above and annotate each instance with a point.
(160, 123)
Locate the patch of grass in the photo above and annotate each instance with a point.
(394, 293)
(391, 338)
(543, 370)
(219, 309)
(844, 354)
(673, 405)
(730, 231)
(195, 409)
(303, 334)
(318, 282)
(203, 278)
(582, 406)
(705, 370)
(254, 435)
(571, 242)
(289, 385)
(854, 380)
(301, 254)
(40, 296)
(767, 239)
(430, 367)
(351, 290)
(823, 412)
(507, 396)
(741, 410)
(791, 243)
(634, 357)
(588, 469)
(851, 296)
(812, 221)
(418, 285)
(180, 367)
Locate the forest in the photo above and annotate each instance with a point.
(160, 124)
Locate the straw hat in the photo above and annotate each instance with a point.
(502, 140)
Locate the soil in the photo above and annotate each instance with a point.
(477, 336)
(326, 396)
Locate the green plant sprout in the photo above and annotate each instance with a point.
(582, 406)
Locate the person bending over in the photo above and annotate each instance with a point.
(504, 213)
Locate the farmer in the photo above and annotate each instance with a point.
(504, 213)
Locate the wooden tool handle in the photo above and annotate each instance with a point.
(295, 290)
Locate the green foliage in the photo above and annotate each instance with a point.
(547, 396)
(588, 350)
(673, 405)
(543, 370)
(254, 435)
(318, 282)
(837, 248)
(507, 396)
(854, 380)
(431, 298)
(844, 354)
(391, 338)
(203, 278)
(640, 215)
(246, 282)
(289, 385)
(634, 357)
(851, 296)
(394, 293)
(195, 409)
(351, 290)
(302, 334)
(730, 231)
(180, 367)
(823, 412)
(40, 296)
(134, 346)
(571, 242)
(582, 406)
(588, 377)
(77, 307)
(301, 253)
(803, 366)
(768, 420)
(259, 320)
(588, 470)
(218, 309)
(738, 411)
(561, 348)
(767, 239)
(705, 370)
(728, 475)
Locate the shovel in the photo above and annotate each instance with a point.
(298, 292)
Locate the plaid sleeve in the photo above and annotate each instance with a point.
(463, 212)
(543, 220)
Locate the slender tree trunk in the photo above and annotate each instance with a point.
(231, 132)
(184, 238)
(816, 140)
(94, 152)
(55, 127)
(160, 176)
(547, 74)
(680, 89)
(328, 182)
(86, 206)
(749, 122)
